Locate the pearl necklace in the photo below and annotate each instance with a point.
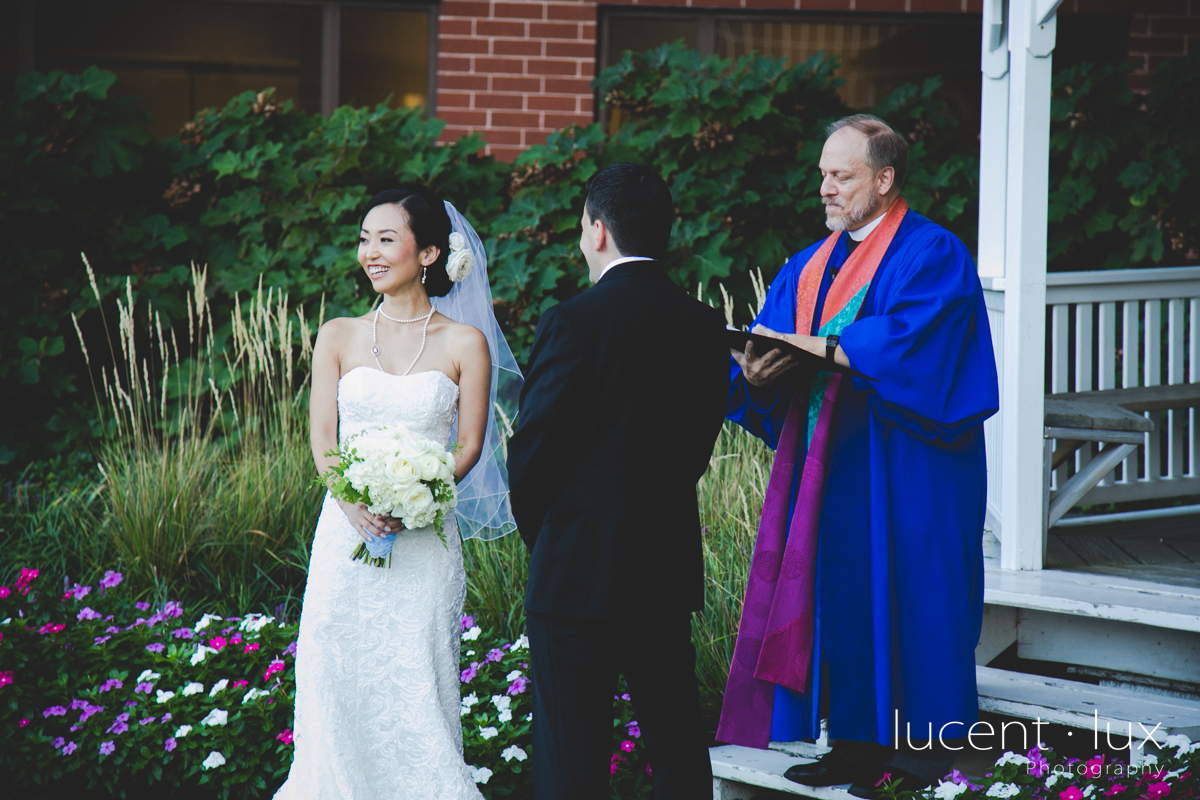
(375, 338)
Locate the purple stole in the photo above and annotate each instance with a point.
(775, 636)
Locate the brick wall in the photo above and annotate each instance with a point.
(1161, 29)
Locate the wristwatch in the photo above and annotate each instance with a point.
(831, 346)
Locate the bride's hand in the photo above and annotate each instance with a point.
(369, 526)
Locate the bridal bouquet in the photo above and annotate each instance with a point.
(396, 473)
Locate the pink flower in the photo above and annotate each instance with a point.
(240, 684)
(70, 748)
(99, 640)
(79, 592)
(886, 777)
(628, 746)
(1116, 788)
(615, 764)
(50, 627)
(89, 710)
(217, 642)
(172, 609)
(1157, 790)
(24, 721)
(1038, 765)
(495, 655)
(142, 606)
(518, 685)
(236, 639)
(106, 748)
(5, 678)
(120, 726)
(143, 687)
(4, 592)
(110, 580)
(272, 668)
(1094, 766)
(286, 737)
(27, 577)
(169, 744)
(250, 648)
(1071, 793)
(469, 673)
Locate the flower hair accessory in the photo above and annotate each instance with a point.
(461, 262)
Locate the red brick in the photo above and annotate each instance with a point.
(974, 6)
(504, 83)
(1140, 83)
(457, 45)
(503, 137)
(587, 69)
(945, 6)
(508, 101)
(673, 2)
(586, 105)
(468, 82)
(500, 66)
(1138, 62)
(576, 11)
(455, 27)
(1179, 7)
(571, 49)
(536, 102)
(1157, 44)
(453, 99)
(519, 10)
(1185, 26)
(717, 3)
(785, 4)
(568, 86)
(559, 121)
(453, 134)
(1140, 25)
(464, 8)
(1103, 6)
(545, 66)
(554, 30)
(475, 119)
(514, 120)
(880, 5)
(516, 47)
(491, 27)
(453, 64)
(587, 32)
(824, 5)
(536, 137)
(506, 153)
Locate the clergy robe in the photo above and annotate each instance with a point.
(899, 573)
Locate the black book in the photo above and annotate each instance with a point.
(808, 362)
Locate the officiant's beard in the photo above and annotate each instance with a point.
(853, 216)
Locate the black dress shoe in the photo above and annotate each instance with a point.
(830, 770)
(870, 790)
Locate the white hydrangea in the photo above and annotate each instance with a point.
(480, 774)
(1003, 790)
(488, 732)
(214, 760)
(203, 623)
(514, 752)
(162, 697)
(182, 731)
(402, 473)
(472, 633)
(253, 695)
(1010, 757)
(218, 716)
(218, 687)
(948, 790)
(192, 688)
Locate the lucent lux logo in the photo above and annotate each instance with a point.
(986, 730)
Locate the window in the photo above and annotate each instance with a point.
(181, 57)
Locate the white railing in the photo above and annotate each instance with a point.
(1122, 329)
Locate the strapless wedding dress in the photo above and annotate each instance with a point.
(377, 689)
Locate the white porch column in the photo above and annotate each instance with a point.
(1031, 42)
(993, 139)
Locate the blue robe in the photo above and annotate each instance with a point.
(899, 583)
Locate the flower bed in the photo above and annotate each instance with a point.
(116, 694)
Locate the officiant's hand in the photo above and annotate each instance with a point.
(770, 366)
(369, 526)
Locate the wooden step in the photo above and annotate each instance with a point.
(1085, 706)
(1100, 596)
(739, 773)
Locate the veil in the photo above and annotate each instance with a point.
(483, 508)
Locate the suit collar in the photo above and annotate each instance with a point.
(645, 269)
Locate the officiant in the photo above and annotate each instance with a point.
(865, 597)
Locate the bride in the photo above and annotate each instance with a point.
(377, 683)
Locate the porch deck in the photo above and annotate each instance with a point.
(1165, 550)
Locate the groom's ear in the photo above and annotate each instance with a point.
(601, 238)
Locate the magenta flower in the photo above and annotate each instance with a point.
(886, 777)
(286, 737)
(1157, 790)
(236, 639)
(110, 684)
(1116, 788)
(169, 744)
(648, 772)
(1071, 793)
(183, 633)
(250, 648)
(240, 684)
(24, 721)
(51, 627)
(27, 577)
(70, 748)
(54, 711)
(628, 746)
(110, 580)
(1094, 766)
(217, 642)
(157, 647)
(4, 592)
(272, 668)
(632, 729)
(469, 673)
(106, 748)
(59, 742)
(87, 613)
(5, 678)
(518, 685)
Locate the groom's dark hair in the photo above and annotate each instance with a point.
(635, 205)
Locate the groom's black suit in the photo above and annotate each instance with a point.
(624, 397)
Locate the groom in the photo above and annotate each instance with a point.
(623, 399)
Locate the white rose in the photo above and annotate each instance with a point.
(428, 465)
(215, 759)
(459, 265)
(416, 500)
(457, 241)
(404, 472)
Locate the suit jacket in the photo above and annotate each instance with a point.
(624, 396)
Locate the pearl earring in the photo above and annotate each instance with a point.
(423, 271)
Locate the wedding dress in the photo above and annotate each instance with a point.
(377, 689)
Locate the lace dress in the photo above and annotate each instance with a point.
(377, 690)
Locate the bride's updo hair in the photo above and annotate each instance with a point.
(430, 226)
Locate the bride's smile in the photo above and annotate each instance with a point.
(387, 249)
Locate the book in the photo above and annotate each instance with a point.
(807, 361)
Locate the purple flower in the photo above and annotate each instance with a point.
(633, 729)
(172, 609)
(157, 647)
(99, 640)
(468, 622)
(470, 672)
(131, 703)
(54, 711)
(110, 684)
(147, 720)
(77, 704)
(956, 777)
(59, 742)
(1038, 765)
(120, 726)
(183, 633)
(495, 655)
(110, 580)
(87, 613)
(518, 685)
(169, 744)
(106, 748)
(142, 606)
(80, 592)
(112, 629)
(291, 650)
(70, 748)
(74, 728)
(143, 687)
(166, 717)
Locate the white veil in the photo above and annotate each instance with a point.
(483, 508)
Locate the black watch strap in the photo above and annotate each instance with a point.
(831, 346)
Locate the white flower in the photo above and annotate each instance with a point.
(457, 241)
(200, 654)
(1003, 790)
(488, 732)
(948, 790)
(470, 652)
(502, 702)
(529, 717)
(1010, 757)
(254, 623)
(1149, 760)
(254, 694)
(416, 500)
(163, 697)
(512, 676)
(6, 621)
(218, 716)
(514, 752)
(1053, 779)
(203, 623)
(429, 465)
(218, 687)
(472, 634)
(459, 265)
(1193, 747)
(148, 675)
(182, 731)
(480, 774)
(192, 688)
(467, 702)
(504, 716)
(402, 472)
(1087, 790)
(215, 759)
(522, 643)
